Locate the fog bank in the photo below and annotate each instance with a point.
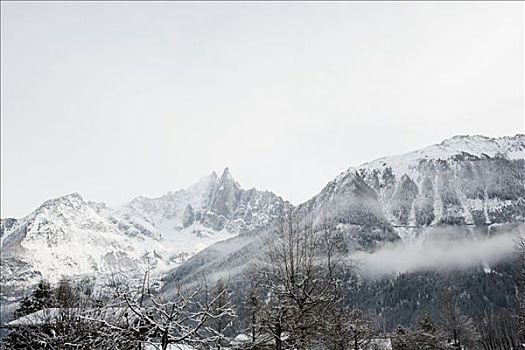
(438, 251)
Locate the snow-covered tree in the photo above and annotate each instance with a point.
(58, 325)
(182, 318)
(40, 298)
(400, 338)
(219, 325)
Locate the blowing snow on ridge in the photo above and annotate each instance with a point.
(71, 236)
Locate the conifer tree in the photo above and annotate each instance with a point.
(40, 298)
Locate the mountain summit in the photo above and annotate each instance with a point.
(70, 236)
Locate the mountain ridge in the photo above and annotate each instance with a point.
(69, 235)
(463, 180)
(472, 190)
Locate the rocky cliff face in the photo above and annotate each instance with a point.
(72, 236)
(213, 204)
(466, 180)
(462, 181)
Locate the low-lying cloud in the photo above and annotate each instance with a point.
(441, 250)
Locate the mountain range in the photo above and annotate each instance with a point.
(70, 236)
(473, 184)
(466, 181)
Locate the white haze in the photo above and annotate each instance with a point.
(116, 99)
(437, 252)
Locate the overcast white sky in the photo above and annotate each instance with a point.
(115, 100)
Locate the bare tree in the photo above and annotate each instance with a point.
(179, 319)
(349, 329)
(254, 310)
(250, 314)
(298, 273)
(422, 336)
(459, 327)
(360, 328)
(498, 331)
(126, 320)
(219, 325)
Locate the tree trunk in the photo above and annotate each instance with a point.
(164, 341)
(278, 333)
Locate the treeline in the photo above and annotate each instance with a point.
(295, 296)
(403, 298)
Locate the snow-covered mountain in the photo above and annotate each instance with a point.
(72, 236)
(468, 180)
(472, 180)
(472, 183)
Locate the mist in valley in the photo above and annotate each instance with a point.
(438, 250)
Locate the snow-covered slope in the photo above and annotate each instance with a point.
(510, 147)
(72, 236)
(472, 180)
(471, 183)
(463, 180)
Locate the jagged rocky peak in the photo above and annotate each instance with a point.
(237, 210)
(70, 235)
(354, 183)
(227, 182)
(227, 176)
(189, 216)
(213, 202)
(227, 196)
